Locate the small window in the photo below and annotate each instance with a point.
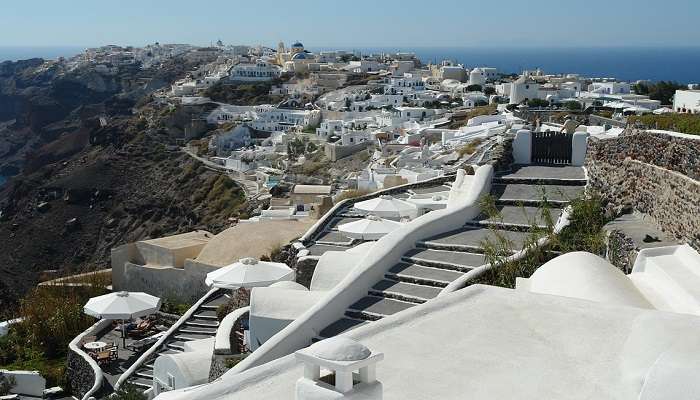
(171, 381)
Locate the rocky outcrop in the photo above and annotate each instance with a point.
(655, 173)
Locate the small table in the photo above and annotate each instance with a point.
(95, 346)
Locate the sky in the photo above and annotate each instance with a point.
(358, 23)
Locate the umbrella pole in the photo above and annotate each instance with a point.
(123, 335)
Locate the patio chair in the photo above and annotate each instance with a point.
(103, 357)
(142, 328)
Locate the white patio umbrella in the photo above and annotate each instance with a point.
(369, 228)
(123, 306)
(386, 207)
(663, 110)
(249, 273)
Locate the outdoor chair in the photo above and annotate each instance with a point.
(87, 339)
(143, 328)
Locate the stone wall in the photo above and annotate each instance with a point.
(79, 375)
(655, 173)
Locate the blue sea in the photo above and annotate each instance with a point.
(625, 63)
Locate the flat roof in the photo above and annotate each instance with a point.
(486, 342)
(181, 241)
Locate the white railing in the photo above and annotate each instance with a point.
(137, 364)
(75, 347)
(222, 343)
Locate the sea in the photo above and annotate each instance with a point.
(625, 63)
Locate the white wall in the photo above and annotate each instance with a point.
(29, 383)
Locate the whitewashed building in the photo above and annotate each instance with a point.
(687, 101)
(259, 71)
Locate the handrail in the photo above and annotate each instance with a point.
(74, 347)
(463, 281)
(222, 343)
(137, 364)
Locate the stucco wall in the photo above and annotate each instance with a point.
(181, 284)
(655, 173)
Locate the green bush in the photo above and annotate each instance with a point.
(684, 123)
(128, 391)
(537, 103)
(573, 105)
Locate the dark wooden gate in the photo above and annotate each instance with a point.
(551, 147)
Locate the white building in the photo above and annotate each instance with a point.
(610, 87)
(687, 101)
(258, 71)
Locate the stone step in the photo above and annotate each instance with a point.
(430, 276)
(409, 292)
(544, 174)
(202, 323)
(197, 331)
(519, 217)
(205, 314)
(176, 345)
(446, 259)
(515, 193)
(342, 325)
(141, 383)
(373, 308)
(168, 350)
(472, 238)
(215, 303)
(146, 374)
(191, 336)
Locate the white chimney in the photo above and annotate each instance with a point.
(352, 365)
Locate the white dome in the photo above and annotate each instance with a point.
(340, 349)
(586, 276)
(291, 285)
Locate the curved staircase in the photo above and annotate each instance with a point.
(201, 325)
(435, 262)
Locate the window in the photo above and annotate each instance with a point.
(171, 381)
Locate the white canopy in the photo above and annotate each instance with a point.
(122, 305)
(386, 206)
(637, 109)
(249, 273)
(369, 228)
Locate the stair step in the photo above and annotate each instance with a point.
(544, 174)
(403, 291)
(523, 217)
(145, 375)
(205, 314)
(472, 238)
(176, 345)
(446, 259)
(342, 325)
(189, 337)
(203, 323)
(215, 303)
(197, 331)
(169, 350)
(373, 308)
(413, 273)
(142, 383)
(514, 193)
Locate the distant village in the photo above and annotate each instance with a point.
(422, 231)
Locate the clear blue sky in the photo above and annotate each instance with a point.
(359, 23)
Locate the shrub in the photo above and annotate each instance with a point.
(128, 391)
(537, 103)
(469, 148)
(684, 123)
(572, 105)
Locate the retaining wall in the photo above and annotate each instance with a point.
(655, 173)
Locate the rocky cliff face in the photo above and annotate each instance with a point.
(84, 186)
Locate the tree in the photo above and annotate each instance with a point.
(474, 88)
(489, 90)
(537, 103)
(662, 90)
(572, 105)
